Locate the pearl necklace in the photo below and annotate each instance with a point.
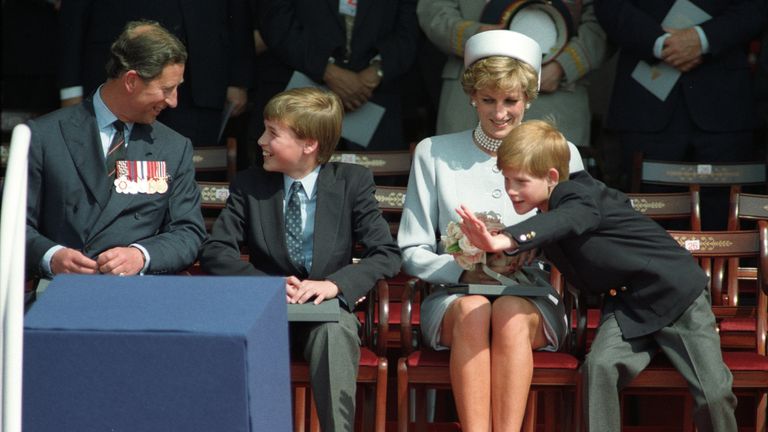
(484, 141)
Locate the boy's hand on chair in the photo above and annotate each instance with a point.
(303, 291)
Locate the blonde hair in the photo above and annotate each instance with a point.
(501, 73)
(312, 114)
(534, 147)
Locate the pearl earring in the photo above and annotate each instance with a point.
(473, 103)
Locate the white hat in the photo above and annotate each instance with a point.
(503, 43)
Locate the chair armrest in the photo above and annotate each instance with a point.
(406, 315)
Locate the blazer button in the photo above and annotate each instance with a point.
(612, 292)
(136, 216)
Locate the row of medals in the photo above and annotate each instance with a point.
(148, 186)
(144, 185)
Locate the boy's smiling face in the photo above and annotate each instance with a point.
(528, 192)
(284, 152)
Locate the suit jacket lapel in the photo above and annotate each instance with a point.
(334, 5)
(86, 152)
(330, 202)
(363, 7)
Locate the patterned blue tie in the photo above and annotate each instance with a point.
(293, 233)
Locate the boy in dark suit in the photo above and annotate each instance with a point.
(300, 217)
(655, 293)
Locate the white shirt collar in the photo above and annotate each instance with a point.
(308, 182)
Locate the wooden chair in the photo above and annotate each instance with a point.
(371, 374)
(689, 173)
(213, 198)
(683, 206)
(715, 250)
(388, 167)
(216, 162)
(425, 368)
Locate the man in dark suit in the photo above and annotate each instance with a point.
(655, 293)
(300, 216)
(217, 35)
(709, 114)
(110, 189)
(359, 52)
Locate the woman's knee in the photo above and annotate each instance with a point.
(470, 314)
(515, 317)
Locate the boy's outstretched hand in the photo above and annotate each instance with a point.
(477, 233)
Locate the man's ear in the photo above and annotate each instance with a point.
(553, 177)
(131, 80)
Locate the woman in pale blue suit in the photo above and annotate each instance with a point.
(491, 342)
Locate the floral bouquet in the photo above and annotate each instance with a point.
(466, 254)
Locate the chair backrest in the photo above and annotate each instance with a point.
(745, 206)
(688, 173)
(719, 254)
(383, 163)
(391, 200)
(670, 206)
(213, 198)
(221, 159)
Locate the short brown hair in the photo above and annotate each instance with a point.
(501, 73)
(312, 114)
(534, 147)
(146, 47)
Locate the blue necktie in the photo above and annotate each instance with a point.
(293, 233)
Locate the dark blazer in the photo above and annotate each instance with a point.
(347, 213)
(717, 93)
(217, 35)
(70, 200)
(303, 34)
(599, 242)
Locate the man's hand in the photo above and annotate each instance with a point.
(68, 260)
(238, 97)
(682, 49)
(121, 261)
(298, 291)
(551, 76)
(348, 85)
(369, 77)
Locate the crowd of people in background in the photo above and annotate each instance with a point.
(406, 57)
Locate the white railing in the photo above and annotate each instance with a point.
(12, 253)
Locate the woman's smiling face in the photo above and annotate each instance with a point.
(499, 111)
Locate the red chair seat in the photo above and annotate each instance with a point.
(738, 325)
(745, 361)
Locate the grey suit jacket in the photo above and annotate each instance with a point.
(347, 213)
(599, 242)
(70, 200)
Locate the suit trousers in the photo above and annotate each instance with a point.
(332, 350)
(691, 344)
